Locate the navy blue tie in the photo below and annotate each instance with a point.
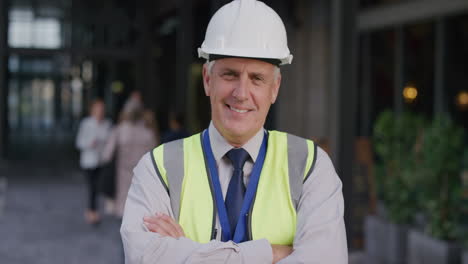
(236, 189)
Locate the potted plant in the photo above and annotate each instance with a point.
(440, 194)
(465, 249)
(465, 255)
(395, 138)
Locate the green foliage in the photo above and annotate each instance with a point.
(419, 168)
(439, 177)
(465, 159)
(395, 140)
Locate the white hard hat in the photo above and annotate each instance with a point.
(246, 28)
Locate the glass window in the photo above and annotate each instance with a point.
(418, 66)
(456, 88)
(43, 107)
(25, 30)
(382, 50)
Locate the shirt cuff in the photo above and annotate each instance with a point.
(257, 251)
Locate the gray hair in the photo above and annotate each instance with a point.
(210, 64)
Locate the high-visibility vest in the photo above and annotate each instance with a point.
(182, 169)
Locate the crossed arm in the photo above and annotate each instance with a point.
(156, 238)
(168, 227)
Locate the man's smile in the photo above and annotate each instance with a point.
(238, 109)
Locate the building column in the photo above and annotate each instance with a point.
(343, 99)
(184, 54)
(315, 98)
(439, 70)
(399, 74)
(366, 86)
(304, 88)
(145, 63)
(3, 77)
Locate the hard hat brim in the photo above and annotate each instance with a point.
(209, 56)
(275, 62)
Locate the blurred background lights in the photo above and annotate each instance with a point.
(410, 93)
(87, 71)
(462, 100)
(117, 87)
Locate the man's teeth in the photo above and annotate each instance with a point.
(238, 110)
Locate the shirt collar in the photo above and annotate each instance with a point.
(220, 146)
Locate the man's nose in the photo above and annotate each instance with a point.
(241, 90)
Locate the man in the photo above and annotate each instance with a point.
(237, 193)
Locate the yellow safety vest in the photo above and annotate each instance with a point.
(182, 169)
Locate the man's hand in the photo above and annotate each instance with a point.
(163, 225)
(280, 252)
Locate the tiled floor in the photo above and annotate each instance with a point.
(3, 187)
(361, 258)
(43, 222)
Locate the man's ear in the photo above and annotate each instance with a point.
(276, 86)
(206, 79)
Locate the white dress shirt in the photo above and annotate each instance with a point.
(320, 233)
(91, 140)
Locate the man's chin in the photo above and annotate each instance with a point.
(238, 134)
(234, 132)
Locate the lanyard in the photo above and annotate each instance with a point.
(249, 194)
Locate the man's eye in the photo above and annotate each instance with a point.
(257, 78)
(229, 75)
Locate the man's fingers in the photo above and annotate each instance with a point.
(160, 229)
(169, 228)
(157, 229)
(174, 224)
(161, 226)
(164, 225)
(151, 227)
(151, 219)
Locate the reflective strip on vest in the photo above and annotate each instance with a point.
(289, 161)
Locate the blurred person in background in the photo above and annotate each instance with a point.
(134, 101)
(107, 185)
(133, 136)
(92, 136)
(176, 128)
(150, 122)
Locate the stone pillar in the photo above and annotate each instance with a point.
(315, 117)
(145, 80)
(184, 54)
(367, 99)
(343, 98)
(440, 105)
(302, 104)
(399, 70)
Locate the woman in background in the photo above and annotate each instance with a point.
(91, 139)
(129, 141)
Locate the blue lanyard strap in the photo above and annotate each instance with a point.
(239, 235)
